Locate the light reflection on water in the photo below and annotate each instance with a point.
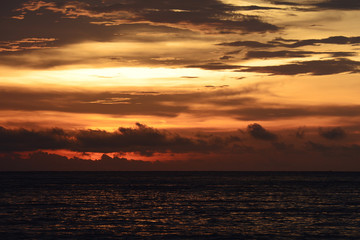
(179, 205)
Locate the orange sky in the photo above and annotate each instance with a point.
(195, 72)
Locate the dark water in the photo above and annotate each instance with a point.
(179, 205)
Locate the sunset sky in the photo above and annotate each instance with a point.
(180, 85)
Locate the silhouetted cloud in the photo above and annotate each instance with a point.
(258, 132)
(252, 44)
(214, 66)
(278, 54)
(339, 4)
(342, 54)
(26, 44)
(315, 67)
(211, 16)
(340, 40)
(12, 140)
(293, 54)
(321, 4)
(263, 112)
(333, 133)
(142, 140)
(255, 7)
(214, 151)
(285, 3)
(294, 43)
(42, 161)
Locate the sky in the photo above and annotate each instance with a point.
(259, 85)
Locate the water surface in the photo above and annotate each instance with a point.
(179, 205)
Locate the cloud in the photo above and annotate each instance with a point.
(294, 43)
(270, 112)
(339, 4)
(42, 161)
(120, 104)
(142, 140)
(332, 134)
(241, 104)
(315, 67)
(26, 44)
(340, 40)
(321, 4)
(255, 7)
(238, 150)
(278, 54)
(258, 132)
(214, 66)
(252, 44)
(293, 54)
(208, 16)
(29, 140)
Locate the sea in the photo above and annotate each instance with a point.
(180, 205)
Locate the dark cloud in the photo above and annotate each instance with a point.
(333, 133)
(12, 140)
(255, 7)
(342, 54)
(281, 156)
(225, 57)
(77, 21)
(262, 112)
(293, 43)
(293, 54)
(340, 40)
(339, 4)
(316, 67)
(26, 44)
(321, 4)
(213, 151)
(214, 66)
(53, 26)
(285, 3)
(210, 15)
(42, 161)
(142, 140)
(278, 54)
(258, 132)
(252, 44)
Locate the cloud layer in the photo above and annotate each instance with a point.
(242, 104)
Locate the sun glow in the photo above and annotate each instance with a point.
(115, 77)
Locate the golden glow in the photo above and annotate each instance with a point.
(159, 59)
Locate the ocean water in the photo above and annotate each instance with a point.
(179, 205)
